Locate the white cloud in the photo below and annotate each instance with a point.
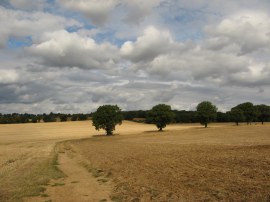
(28, 4)
(98, 11)
(250, 30)
(148, 46)
(21, 24)
(146, 52)
(8, 76)
(64, 49)
(139, 9)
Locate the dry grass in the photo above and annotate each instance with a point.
(222, 163)
(27, 174)
(27, 156)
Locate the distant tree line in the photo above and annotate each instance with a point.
(108, 116)
(37, 118)
(244, 112)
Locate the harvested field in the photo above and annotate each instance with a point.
(184, 163)
(28, 156)
(225, 163)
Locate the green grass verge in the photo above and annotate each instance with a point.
(30, 179)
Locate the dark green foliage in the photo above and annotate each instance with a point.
(34, 119)
(63, 117)
(49, 118)
(249, 110)
(107, 117)
(74, 118)
(16, 118)
(222, 117)
(236, 115)
(82, 117)
(185, 116)
(161, 115)
(130, 115)
(263, 112)
(207, 112)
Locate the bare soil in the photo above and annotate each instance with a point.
(225, 163)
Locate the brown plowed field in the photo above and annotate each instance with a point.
(226, 163)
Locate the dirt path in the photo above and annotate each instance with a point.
(79, 185)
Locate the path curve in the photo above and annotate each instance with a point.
(79, 185)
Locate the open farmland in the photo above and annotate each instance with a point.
(28, 156)
(184, 163)
(226, 163)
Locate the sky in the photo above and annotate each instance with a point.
(71, 56)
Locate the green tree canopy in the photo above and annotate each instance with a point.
(63, 117)
(249, 110)
(207, 112)
(263, 112)
(161, 115)
(107, 117)
(236, 115)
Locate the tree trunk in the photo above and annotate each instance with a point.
(160, 129)
(108, 132)
(205, 125)
(262, 122)
(237, 123)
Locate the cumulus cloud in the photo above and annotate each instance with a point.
(139, 9)
(174, 52)
(98, 11)
(250, 30)
(28, 4)
(224, 58)
(64, 49)
(20, 24)
(8, 76)
(148, 46)
(196, 64)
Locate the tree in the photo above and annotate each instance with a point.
(82, 117)
(63, 117)
(236, 115)
(263, 113)
(207, 112)
(249, 110)
(49, 118)
(107, 117)
(222, 117)
(74, 117)
(161, 115)
(34, 119)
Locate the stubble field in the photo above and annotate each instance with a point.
(184, 163)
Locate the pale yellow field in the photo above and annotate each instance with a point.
(18, 133)
(22, 141)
